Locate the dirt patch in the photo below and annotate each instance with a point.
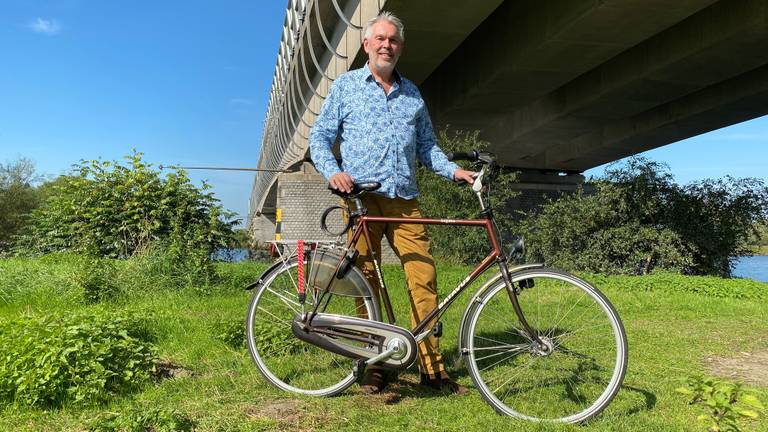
(751, 368)
(387, 397)
(166, 369)
(287, 411)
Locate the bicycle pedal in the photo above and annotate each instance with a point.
(359, 368)
(437, 330)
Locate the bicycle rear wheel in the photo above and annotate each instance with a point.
(287, 362)
(577, 372)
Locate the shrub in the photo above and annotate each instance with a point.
(639, 219)
(719, 218)
(443, 199)
(142, 420)
(83, 357)
(108, 209)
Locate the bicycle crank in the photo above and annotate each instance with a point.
(370, 341)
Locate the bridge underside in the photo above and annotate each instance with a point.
(571, 85)
(552, 84)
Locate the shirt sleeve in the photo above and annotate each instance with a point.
(324, 133)
(430, 155)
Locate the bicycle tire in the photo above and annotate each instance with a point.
(587, 359)
(284, 360)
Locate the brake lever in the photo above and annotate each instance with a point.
(477, 186)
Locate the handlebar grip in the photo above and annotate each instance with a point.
(469, 156)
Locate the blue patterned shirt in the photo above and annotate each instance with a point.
(381, 134)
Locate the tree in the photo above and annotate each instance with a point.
(18, 197)
(639, 218)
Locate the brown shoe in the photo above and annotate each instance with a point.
(374, 381)
(445, 385)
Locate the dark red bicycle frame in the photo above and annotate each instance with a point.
(495, 256)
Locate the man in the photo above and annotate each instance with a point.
(384, 127)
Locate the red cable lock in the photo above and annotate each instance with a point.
(300, 254)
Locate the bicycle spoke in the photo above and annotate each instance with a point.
(288, 362)
(575, 378)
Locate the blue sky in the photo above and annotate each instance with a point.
(187, 82)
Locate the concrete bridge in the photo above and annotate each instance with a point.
(554, 85)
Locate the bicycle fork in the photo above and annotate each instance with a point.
(543, 347)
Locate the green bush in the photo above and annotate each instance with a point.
(107, 209)
(142, 420)
(446, 200)
(78, 358)
(638, 219)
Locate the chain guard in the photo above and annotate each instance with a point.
(356, 338)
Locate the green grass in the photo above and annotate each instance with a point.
(674, 324)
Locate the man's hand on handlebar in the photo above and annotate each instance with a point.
(341, 181)
(461, 175)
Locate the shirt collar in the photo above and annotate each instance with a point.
(368, 76)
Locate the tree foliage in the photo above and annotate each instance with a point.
(18, 197)
(114, 210)
(443, 199)
(639, 218)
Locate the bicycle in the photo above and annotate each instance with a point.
(539, 344)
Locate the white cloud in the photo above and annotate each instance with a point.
(45, 26)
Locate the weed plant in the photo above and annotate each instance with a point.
(81, 357)
(142, 420)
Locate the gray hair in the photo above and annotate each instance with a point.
(389, 17)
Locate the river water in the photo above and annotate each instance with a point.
(752, 267)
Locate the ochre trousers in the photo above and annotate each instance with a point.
(411, 244)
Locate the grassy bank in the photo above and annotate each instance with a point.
(677, 326)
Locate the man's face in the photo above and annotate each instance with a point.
(383, 46)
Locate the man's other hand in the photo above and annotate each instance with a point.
(341, 182)
(463, 175)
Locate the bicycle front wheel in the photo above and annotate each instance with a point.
(286, 361)
(577, 371)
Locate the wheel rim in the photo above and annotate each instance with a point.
(577, 371)
(284, 360)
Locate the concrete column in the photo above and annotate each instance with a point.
(302, 198)
(536, 188)
(262, 227)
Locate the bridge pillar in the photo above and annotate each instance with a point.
(302, 197)
(262, 227)
(536, 188)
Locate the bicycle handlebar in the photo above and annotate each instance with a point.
(473, 156)
(469, 156)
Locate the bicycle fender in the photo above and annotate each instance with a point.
(264, 275)
(482, 291)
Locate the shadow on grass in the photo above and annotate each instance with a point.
(649, 399)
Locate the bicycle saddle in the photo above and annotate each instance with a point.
(357, 189)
